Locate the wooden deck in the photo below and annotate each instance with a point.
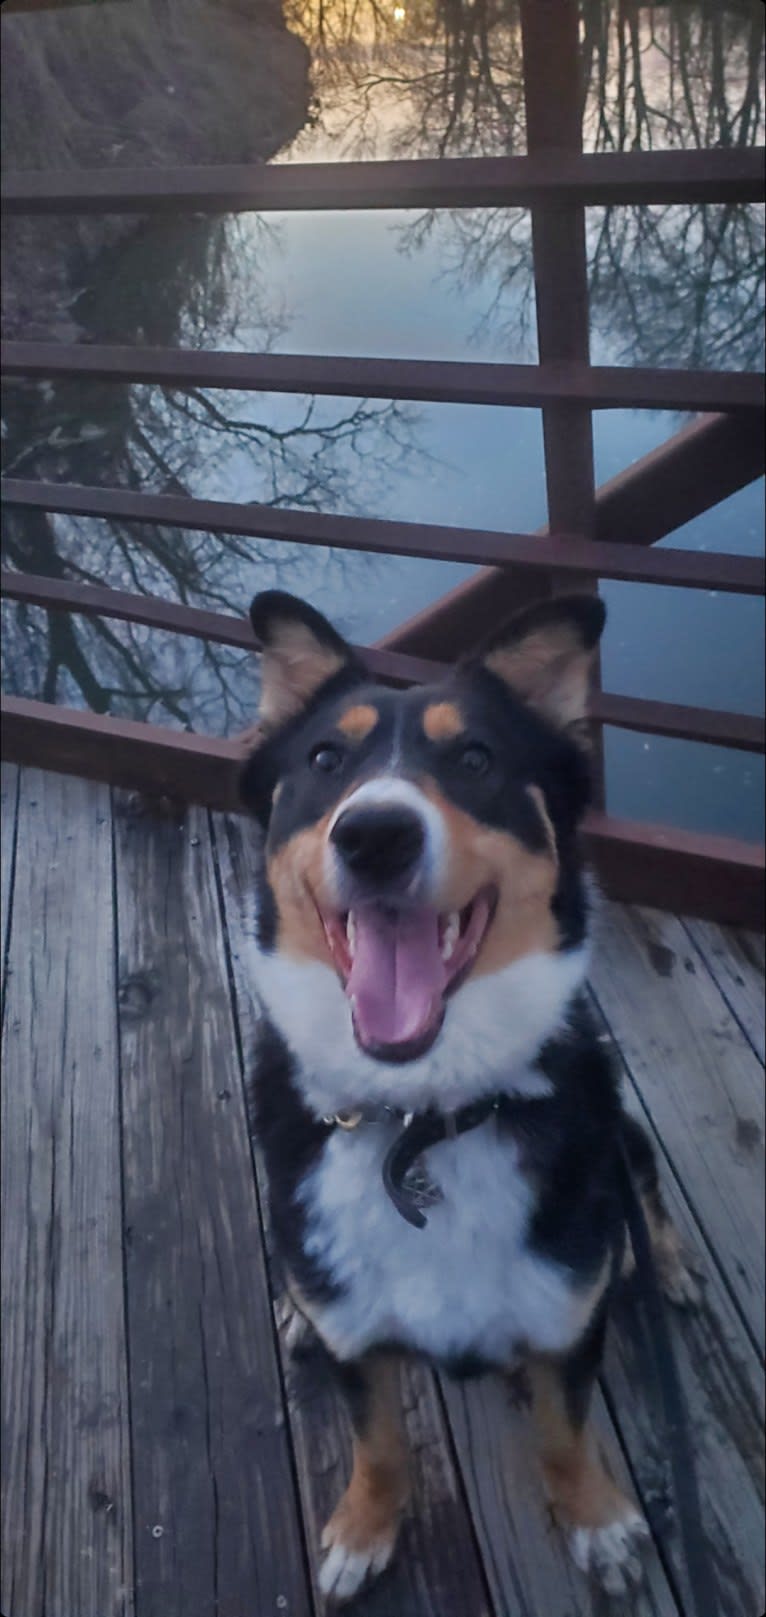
(162, 1456)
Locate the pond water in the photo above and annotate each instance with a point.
(669, 286)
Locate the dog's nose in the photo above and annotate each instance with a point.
(379, 844)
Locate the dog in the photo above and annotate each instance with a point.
(438, 1117)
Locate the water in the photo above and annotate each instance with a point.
(669, 286)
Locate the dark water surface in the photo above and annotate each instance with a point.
(669, 287)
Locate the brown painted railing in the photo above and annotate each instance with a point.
(688, 569)
(590, 179)
(425, 380)
(606, 533)
(740, 731)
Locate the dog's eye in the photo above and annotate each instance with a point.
(476, 759)
(326, 757)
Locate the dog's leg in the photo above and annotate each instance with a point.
(604, 1529)
(673, 1271)
(361, 1533)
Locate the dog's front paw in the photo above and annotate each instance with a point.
(352, 1561)
(611, 1554)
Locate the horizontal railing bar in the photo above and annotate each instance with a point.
(720, 877)
(427, 380)
(743, 732)
(703, 463)
(155, 612)
(686, 872)
(740, 731)
(722, 175)
(739, 575)
(122, 752)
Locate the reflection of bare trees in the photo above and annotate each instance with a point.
(678, 286)
(669, 286)
(439, 77)
(325, 457)
(673, 75)
(315, 453)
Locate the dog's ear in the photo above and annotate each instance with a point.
(300, 651)
(544, 654)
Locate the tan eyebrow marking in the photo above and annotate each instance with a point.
(358, 721)
(442, 721)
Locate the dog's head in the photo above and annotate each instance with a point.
(420, 870)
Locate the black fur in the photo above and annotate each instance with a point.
(291, 1140)
(569, 1139)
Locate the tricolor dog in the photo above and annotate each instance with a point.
(438, 1118)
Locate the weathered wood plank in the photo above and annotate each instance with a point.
(697, 1078)
(735, 960)
(217, 1529)
(722, 1381)
(67, 1530)
(9, 785)
(529, 1568)
(436, 1572)
(723, 1387)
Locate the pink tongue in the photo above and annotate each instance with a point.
(398, 976)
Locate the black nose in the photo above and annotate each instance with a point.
(379, 844)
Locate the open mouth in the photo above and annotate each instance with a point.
(398, 966)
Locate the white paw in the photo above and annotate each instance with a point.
(344, 1571)
(612, 1554)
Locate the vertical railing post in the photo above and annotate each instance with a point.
(554, 97)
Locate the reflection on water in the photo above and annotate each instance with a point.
(669, 286)
(436, 78)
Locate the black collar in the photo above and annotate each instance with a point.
(419, 1131)
(423, 1130)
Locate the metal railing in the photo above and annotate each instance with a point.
(591, 533)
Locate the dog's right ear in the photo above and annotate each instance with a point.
(300, 651)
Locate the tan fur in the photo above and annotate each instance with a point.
(480, 856)
(358, 722)
(293, 667)
(550, 669)
(676, 1280)
(296, 875)
(579, 1490)
(442, 721)
(369, 1511)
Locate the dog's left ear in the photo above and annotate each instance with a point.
(544, 655)
(300, 651)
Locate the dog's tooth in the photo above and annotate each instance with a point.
(451, 935)
(351, 931)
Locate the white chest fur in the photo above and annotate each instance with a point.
(466, 1284)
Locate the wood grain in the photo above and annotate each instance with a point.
(9, 783)
(697, 1078)
(722, 1380)
(67, 1530)
(735, 960)
(529, 1568)
(217, 1529)
(436, 1571)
